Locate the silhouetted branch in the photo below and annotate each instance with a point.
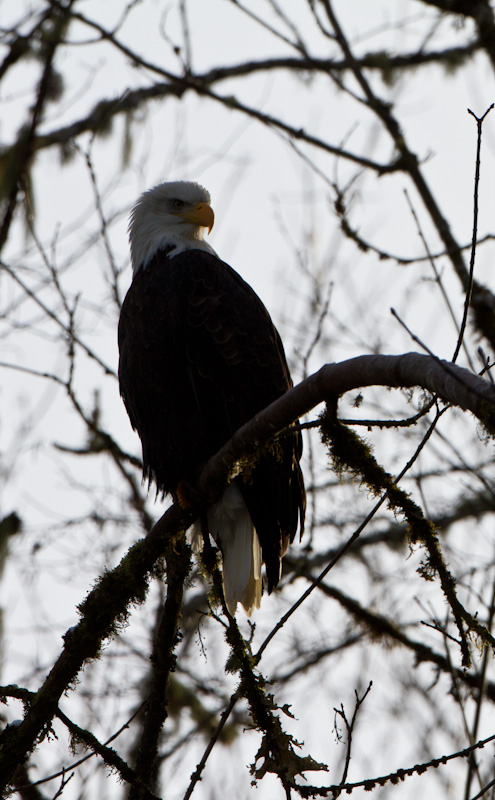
(108, 603)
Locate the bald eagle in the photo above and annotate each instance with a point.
(199, 357)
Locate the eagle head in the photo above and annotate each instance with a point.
(171, 214)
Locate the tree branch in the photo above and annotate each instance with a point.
(108, 603)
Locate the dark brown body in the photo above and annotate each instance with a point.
(199, 357)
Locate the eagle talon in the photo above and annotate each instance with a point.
(182, 494)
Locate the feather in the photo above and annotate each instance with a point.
(231, 526)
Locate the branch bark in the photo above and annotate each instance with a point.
(109, 602)
(451, 383)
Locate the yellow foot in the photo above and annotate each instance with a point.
(182, 496)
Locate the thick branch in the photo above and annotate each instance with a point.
(480, 11)
(453, 384)
(109, 602)
(100, 118)
(21, 154)
(163, 661)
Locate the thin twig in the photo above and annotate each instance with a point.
(350, 730)
(469, 288)
(438, 278)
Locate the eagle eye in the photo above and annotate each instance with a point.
(178, 204)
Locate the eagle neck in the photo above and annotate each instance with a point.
(170, 244)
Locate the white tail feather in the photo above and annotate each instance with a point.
(231, 526)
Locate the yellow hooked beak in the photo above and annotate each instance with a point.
(201, 215)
